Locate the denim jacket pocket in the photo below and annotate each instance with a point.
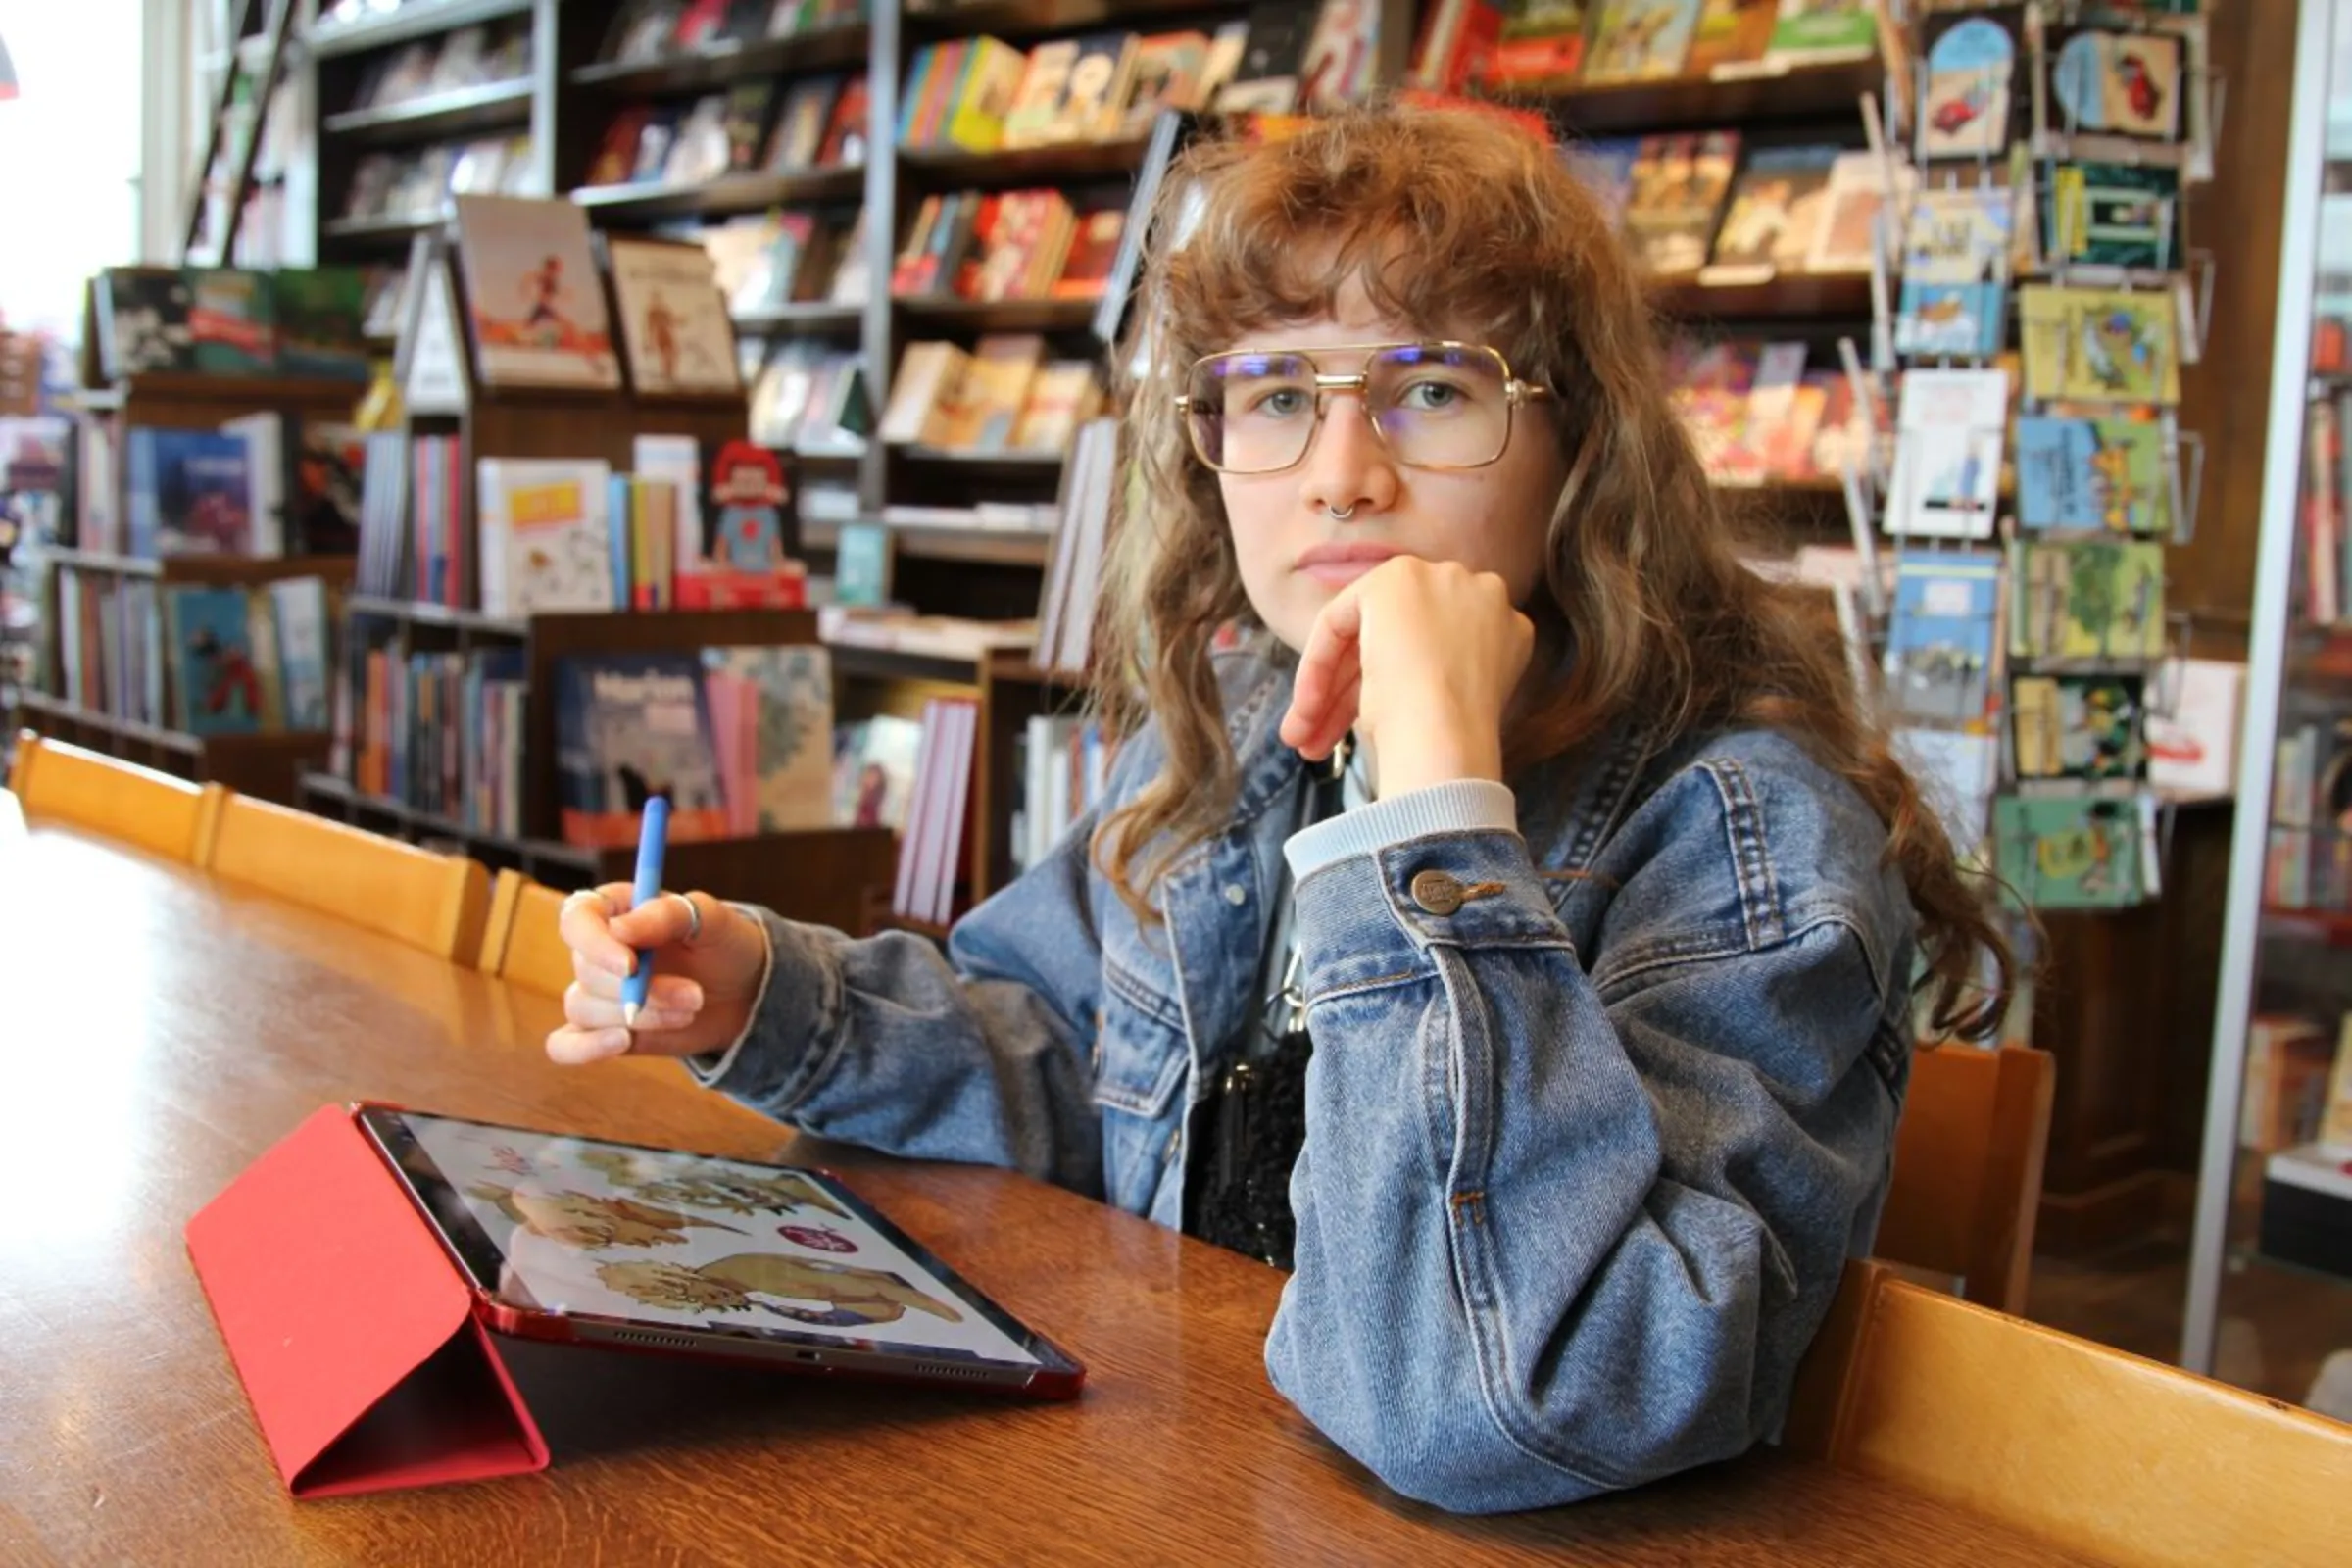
(1141, 1059)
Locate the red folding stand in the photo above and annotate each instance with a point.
(351, 1327)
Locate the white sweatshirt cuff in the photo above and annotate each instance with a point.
(1462, 806)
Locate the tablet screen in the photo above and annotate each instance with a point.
(546, 1223)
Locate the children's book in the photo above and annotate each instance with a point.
(1679, 186)
(1605, 168)
(1973, 86)
(673, 317)
(298, 607)
(2080, 729)
(1541, 43)
(873, 771)
(216, 680)
(1955, 270)
(1731, 34)
(2069, 851)
(229, 320)
(2196, 711)
(188, 492)
(1708, 390)
(1776, 212)
(1943, 637)
(2099, 345)
(1851, 212)
(321, 313)
(143, 321)
(2111, 214)
(535, 304)
(2105, 474)
(783, 700)
(2090, 599)
(1640, 40)
(546, 541)
(1818, 32)
(1948, 455)
(630, 726)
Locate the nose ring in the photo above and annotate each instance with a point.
(1339, 514)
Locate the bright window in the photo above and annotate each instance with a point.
(69, 154)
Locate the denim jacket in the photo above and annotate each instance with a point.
(1601, 1101)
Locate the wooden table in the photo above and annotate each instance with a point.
(160, 1030)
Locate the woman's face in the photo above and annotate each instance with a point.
(1295, 555)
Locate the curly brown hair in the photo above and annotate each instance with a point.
(1648, 606)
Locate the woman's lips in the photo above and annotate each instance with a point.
(1339, 564)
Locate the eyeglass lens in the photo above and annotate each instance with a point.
(1436, 406)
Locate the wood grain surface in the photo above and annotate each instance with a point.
(162, 1029)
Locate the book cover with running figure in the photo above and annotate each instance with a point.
(534, 303)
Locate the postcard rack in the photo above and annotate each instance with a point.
(2028, 471)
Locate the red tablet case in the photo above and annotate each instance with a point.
(351, 1327)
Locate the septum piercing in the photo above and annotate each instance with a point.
(1339, 514)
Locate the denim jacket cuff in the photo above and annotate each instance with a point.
(1464, 888)
(1464, 804)
(769, 1062)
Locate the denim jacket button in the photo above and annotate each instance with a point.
(1235, 893)
(1437, 893)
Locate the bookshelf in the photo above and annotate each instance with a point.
(818, 875)
(559, 113)
(265, 764)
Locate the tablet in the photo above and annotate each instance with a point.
(658, 1249)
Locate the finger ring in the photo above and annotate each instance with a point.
(694, 918)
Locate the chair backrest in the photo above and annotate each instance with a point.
(1968, 1161)
(520, 941)
(155, 811)
(434, 902)
(2084, 1447)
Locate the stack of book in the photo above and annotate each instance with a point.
(197, 659)
(820, 123)
(1013, 245)
(1005, 395)
(934, 845)
(479, 56)
(739, 739)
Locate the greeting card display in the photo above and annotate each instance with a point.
(2099, 345)
(1972, 88)
(2107, 82)
(2096, 214)
(534, 305)
(1955, 268)
(1947, 459)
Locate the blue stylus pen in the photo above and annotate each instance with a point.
(652, 840)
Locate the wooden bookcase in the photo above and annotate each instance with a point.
(264, 764)
(821, 875)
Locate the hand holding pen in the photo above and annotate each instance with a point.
(654, 973)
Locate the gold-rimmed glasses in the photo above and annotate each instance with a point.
(1434, 405)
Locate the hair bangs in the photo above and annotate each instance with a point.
(1406, 209)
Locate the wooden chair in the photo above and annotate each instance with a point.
(1968, 1169)
(429, 901)
(155, 811)
(2084, 1448)
(520, 941)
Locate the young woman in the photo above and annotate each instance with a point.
(1552, 830)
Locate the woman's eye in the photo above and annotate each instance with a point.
(1429, 397)
(1280, 403)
